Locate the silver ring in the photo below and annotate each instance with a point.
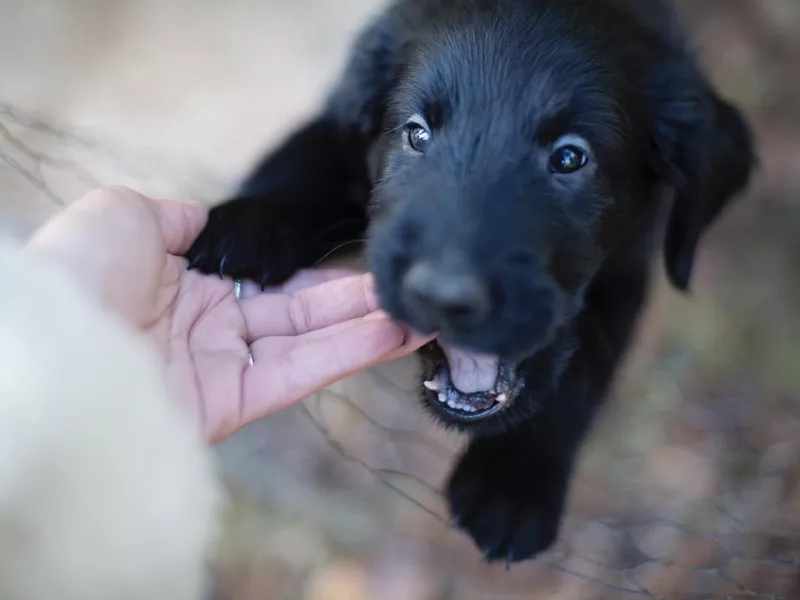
(237, 292)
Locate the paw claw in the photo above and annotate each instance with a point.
(195, 260)
(240, 240)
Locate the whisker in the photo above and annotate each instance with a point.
(337, 248)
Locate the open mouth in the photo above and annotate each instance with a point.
(468, 386)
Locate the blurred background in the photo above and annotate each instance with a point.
(690, 485)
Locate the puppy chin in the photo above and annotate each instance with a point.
(106, 490)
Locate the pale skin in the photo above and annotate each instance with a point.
(126, 250)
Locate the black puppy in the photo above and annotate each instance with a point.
(506, 160)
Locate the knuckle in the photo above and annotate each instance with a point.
(300, 314)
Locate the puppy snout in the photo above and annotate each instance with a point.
(442, 297)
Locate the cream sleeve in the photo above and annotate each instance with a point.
(106, 491)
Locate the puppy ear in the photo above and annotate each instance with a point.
(704, 151)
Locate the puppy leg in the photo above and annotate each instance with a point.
(311, 195)
(508, 503)
(297, 206)
(508, 490)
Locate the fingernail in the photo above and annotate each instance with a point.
(414, 337)
(373, 301)
(377, 315)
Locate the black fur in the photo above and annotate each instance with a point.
(566, 259)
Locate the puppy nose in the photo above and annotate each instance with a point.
(445, 295)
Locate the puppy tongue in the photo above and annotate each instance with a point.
(471, 372)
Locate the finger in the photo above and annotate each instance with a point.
(286, 370)
(413, 341)
(411, 337)
(181, 223)
(309, 309)
(303, 279)
(311, 277)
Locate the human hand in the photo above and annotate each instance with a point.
(127, 250)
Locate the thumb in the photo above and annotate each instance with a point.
(181, 223)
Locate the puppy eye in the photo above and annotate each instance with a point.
(418, 136)
(567, 159)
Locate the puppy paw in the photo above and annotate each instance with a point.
(242, 240)
(509, 505)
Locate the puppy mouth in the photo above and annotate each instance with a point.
(467, 386)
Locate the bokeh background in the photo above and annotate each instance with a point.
(690, 485)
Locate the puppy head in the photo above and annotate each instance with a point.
(520, 150)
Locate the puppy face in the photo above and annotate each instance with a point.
(517, 155)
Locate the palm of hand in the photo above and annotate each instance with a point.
(202, 333)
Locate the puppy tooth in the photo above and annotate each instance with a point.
(432, 386)
(451, 404)
(442, 398)
(502, 398)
